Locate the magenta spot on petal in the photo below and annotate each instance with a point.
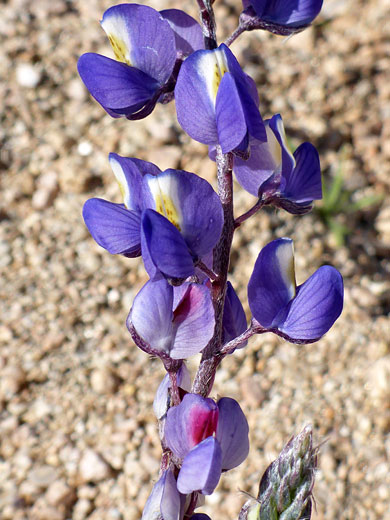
(203, 422)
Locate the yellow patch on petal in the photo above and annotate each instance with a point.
(121, 180)
(122, 190)
(164, 191)
(213, 65)
(291, 274)
(120, 49)
(166, 207)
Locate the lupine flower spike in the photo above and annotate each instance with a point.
(184, 230)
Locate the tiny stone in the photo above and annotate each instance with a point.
(27, 75)
(42, 476)
(103, 381)
(92, 467)
(84, 148)
(12, 379)
(60, 493)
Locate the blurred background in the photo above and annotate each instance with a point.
(78, 438)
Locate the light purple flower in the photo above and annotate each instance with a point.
(148, 46)
(299, 314)
(175, 322)
(208, 437)
(174, 217)
(216, 102)
(165, 501)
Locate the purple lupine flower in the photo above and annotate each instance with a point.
(208, 437)
(216, 101)
(278, 177)
(165, 501)
(147, 46)
(283, 16)
(174, 217)
(299, 314)
(175, 322)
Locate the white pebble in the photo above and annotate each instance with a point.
(84, 148)
(27, 75)
(92, 467)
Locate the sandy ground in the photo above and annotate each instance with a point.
(78, 439)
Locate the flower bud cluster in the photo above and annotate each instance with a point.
(183, 229)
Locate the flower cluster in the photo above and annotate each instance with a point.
(183, 228)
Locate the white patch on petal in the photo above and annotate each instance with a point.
(212, 66)
(118, 33)
(121, 179)
(165, 188)
(274, 147)
(285, 257)
(282, 133)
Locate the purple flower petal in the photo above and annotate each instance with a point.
(164, 499)
(234, 319)
(317, 305)
(129, 173)
(188, 33)
(141, 38)
(172, 502)
(201, 468)
(114, 227)
(189, 423)
(272, 284)
(179, 330)
(303, 184)
(248, 95)
(258, 168)
(179, 195)
(294, 13)
(232, 433)
(151, 315)
(194, 106)
(193, 320)
(117, 87)
(166, 248)
(229, 113)
(152, 509)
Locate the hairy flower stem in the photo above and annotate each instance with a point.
(211, 356)
(208, 23)
(254, 209)
(175, 395)
(240, 29)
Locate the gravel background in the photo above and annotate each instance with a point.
(78, 438)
